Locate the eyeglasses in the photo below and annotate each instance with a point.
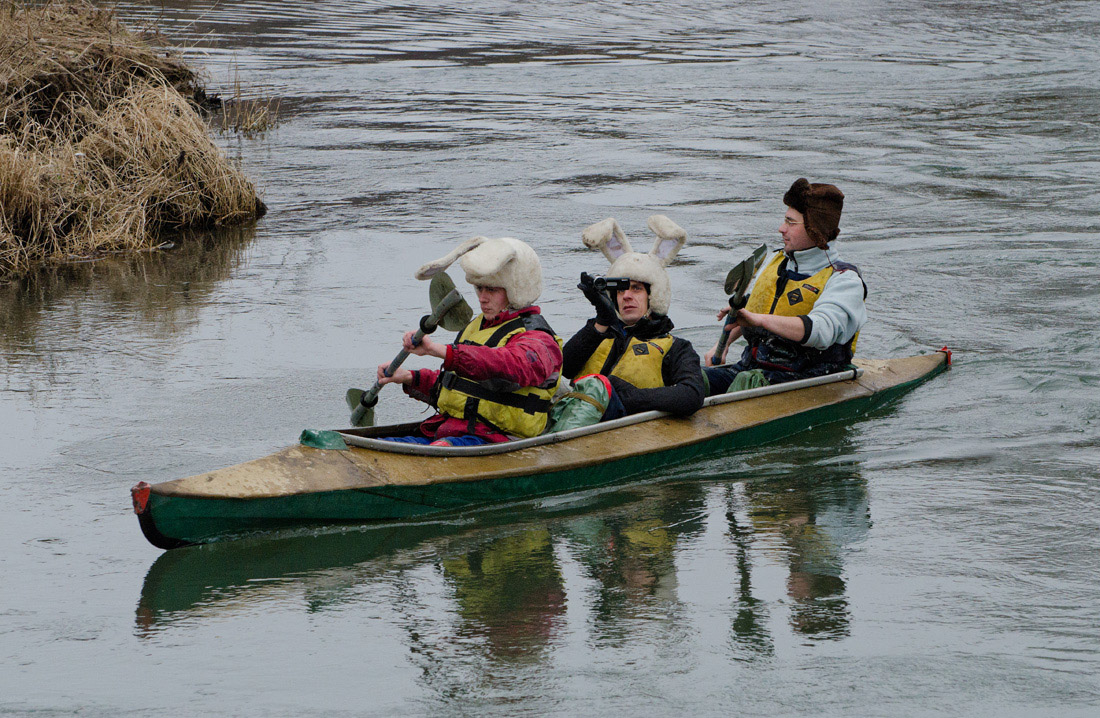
(788, 222)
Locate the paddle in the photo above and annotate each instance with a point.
(449, 310)
(737, 281)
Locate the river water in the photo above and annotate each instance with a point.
(937, 557)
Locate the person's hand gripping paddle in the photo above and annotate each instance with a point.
(737, 281)
(449, 310)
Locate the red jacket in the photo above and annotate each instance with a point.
(528, 359)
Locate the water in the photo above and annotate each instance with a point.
(937, 557)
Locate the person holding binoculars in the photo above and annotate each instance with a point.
(629, 342)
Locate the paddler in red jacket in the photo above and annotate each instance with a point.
(503, 368)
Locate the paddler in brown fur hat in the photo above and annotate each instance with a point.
(805, 306)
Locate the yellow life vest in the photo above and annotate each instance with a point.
(797, 298)
(640, 363)
(502, 405)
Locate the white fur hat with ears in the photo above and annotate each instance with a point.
(501, 262)
(608, 237)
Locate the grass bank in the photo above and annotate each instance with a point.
(102, 145)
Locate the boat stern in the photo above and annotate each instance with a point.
(140, 495)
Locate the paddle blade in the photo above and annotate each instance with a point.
(460, 315)
(735, 279)
(739, 278)
(360, 415)
(742, 274)
(759, 254)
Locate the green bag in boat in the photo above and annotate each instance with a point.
(751, 379)
(583, 406)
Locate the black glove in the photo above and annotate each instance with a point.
(605, 310)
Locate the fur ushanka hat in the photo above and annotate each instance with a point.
(820, 205)
(649, 268)
(501, 262)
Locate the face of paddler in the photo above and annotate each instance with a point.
(633, 302)
(793, 229)
(493, 301)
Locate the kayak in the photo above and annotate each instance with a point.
(368, 479)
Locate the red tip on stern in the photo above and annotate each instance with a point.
(140, 495)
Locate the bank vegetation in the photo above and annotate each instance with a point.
(103, 147)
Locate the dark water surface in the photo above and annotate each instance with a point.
(939, 557)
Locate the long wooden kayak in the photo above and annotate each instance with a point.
(374, 480)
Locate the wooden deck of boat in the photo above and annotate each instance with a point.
(300, 470)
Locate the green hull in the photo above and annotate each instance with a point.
(172, 520)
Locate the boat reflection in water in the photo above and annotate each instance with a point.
(508, 585)
(216, 579)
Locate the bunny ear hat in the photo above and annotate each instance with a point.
(501, 262)
(609, 238)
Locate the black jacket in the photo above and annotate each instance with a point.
(681, 369)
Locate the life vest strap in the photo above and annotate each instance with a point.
(525, 402)
(504, 330)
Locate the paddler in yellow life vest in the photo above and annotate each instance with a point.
(629, 342)
(500, 373)
(805, 306)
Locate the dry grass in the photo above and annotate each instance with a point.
(249, 116)
(244, 113)
(101, 145)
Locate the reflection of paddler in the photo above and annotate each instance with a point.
(750, 622)
(633, 557)
(511, 590)
(817, 524)
(642, 553)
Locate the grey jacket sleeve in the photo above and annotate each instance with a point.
(839, 313)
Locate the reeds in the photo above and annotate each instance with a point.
(102, 147)
(245, 114)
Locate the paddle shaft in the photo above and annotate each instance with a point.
(731, 318)
(427, 325)
(736, 302)
(736, 282)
